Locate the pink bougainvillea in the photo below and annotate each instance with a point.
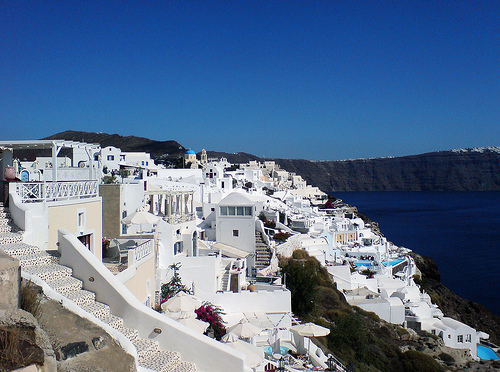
(212, 315)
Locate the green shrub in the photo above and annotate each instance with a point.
(30, 301)
(299, 254)
(447, 358)
(415, 361)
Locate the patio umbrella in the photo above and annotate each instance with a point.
(195, 324)
(140, 218)
(229, 337)
(310, 330)
(253, 355)
(181, 302)
(245, 329)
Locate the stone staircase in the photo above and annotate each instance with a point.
(225, 281)
(45, 265)
(262, 252)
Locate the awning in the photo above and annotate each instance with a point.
(227, 250)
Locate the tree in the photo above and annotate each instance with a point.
(175, 284)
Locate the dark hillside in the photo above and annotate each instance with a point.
(157, 149)
(465, 170)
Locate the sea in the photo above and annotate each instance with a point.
(459, 230)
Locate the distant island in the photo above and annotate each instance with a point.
(475, 169)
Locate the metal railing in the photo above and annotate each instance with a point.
(35, 192)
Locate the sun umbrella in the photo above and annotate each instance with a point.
(140, 218)
(229, 337)
(253, 355)
(245, 329)
(195, 324)
(181, 302)
(310, 330)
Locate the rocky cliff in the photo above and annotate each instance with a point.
(458, 170)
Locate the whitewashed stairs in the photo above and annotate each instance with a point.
(46, 267)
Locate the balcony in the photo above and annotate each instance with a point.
(36, 192)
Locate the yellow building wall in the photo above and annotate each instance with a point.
(65, 216)
(138, 284)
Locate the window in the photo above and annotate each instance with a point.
(239, 211)
(111, 157)
(178, 247)
(468, 338)
(231, 210)
(248, 211)
(81, 219)
(460, 338)
(236, 233)
(223, 211)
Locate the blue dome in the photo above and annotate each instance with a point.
(190, 152)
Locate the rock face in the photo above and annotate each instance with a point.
(454, 306)
(459, 170)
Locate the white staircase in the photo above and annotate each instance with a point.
(45, 266)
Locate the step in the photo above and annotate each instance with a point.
(130, 333)
(65, 286)
(35, 259)
(81, 297)
(145, 347)
(10, 238)
(115, 322)
(161, 360)
(97, 309)
(184, 367)
(20, 249)
(49, 271)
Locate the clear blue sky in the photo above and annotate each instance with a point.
(321, 80)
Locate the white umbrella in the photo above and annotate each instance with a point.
(181, 302)
(310, 330)
(229, 337)
(195, 324)
(245, 329)
(140, 218)
(254, 355)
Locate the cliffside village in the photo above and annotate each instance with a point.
(126, 231)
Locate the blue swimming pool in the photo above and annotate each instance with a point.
(486, 353)
(393, 262)
(363, 263)
(269, 350)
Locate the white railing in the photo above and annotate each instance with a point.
(179, 218)
(141, 252)
(33, 192)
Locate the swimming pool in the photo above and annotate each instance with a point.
(368, 264)
(486, 353)
(393, 262)
(269, 350)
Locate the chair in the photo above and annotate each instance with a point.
(122, 249)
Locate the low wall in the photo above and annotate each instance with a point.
(208, 354)
(32, 218)
(10, 275)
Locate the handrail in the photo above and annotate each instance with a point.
(35, 192)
